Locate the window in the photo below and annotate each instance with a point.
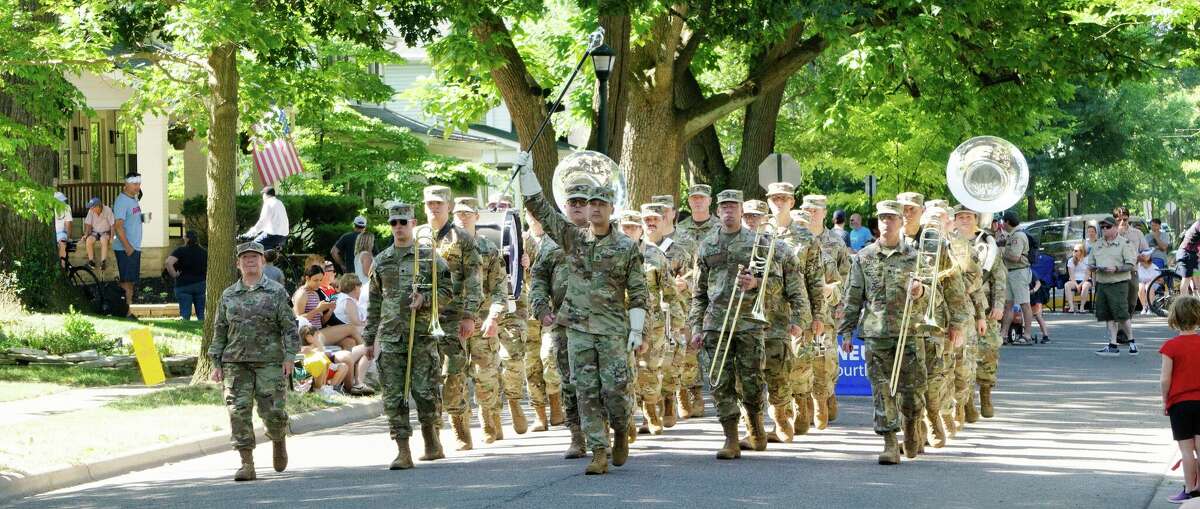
(94, 146)
(1052, 233)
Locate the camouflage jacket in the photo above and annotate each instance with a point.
(604, 275)
(493, 278)
(458, 249)
(681, 256)
(877, 290)
(808, 257)
(695, 232)
(952, 302)
(783, 311)
(391, 284)
(973, 280)
(547, 279)
(254, 324)
(720, 255)
(835, 258)
(995, 278)
(660, 285)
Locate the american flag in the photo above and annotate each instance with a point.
(275, 160)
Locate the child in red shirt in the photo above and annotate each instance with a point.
(1181, 388)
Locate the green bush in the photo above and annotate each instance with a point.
(307, 214)
(76, 335)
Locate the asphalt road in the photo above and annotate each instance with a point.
(1072, 430)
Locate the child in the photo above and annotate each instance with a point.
(1147, 271)
(319, 363)
(1180, 382)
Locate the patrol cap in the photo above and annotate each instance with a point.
(602, 193)
(701, 190)
(892, 207)
(505, 198)
(913, 199)
(781, 188)
(400, 211)
(1107, 220)
(437, 193)
(665, 200)
(729, 195)
(813, 201)
(943, 204)
(360, 222)
(95, 201)
(801, 216)
(466, 204)
(652, 210)
(755, 207)
(250, 247)
(631, 217)
(579, 190)
(960, 209)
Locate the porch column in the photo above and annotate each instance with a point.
(152, 165)
(195, 161)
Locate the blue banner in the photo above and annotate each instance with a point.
(853, 379)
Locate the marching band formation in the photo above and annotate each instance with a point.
(627, 316)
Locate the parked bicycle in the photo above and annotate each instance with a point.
(83, 279)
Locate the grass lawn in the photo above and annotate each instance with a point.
(12, 391)
(127, 424)
(73, 376)
(177, 336)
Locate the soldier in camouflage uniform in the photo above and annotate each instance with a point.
(965, 357)
(536, 337)
(995, 286)
(658, 218)
(811, 341)
(835, 258)
(458, 250)
(879, 283)
(694, 230)
(516, 366)
(725, 266)
(484, 345)
(394, 297)
(253, 349)
(604, 308)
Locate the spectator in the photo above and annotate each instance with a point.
(859, 235)
(345, 244)
(188, 265)
(272, 227)
(1180, 386)
(128, 225)
(1189, 245)
(1078, 279)
(1014, 246)
(345, 325)
(1125, 229)
(1147, 271)
(97, 226)
(364, 261)
(62, 227)
(1112, 260)
(320, 364)
(270, 270)
(329, 286)
(839, 226)
(307, 301)
(1039, 294)
(1089, 238)
(1158, 243)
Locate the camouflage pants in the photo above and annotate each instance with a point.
(935, 372)
(600, 366)
(801, 377)
(512, 359)
(777, 369)
(689, 367)
(249, 384)
(988, 355)
(825, 365)
(485, 370)
(562, 359)
(648, 387)
(424, 391)
(672, 358)
(542, 349)
(964, 371)
(742, 373)
(910, 397)
(455, 364)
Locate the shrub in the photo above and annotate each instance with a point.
(76, 335)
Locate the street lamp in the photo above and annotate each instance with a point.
(602, 61)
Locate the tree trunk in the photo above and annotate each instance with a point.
(652, 148)
(222, 188)
(758, 141)
(704, 163)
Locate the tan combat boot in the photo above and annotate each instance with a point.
(685, 404)
(697, 402)
(972, 415)
(403, 459)
(556, 410)
(620, 448)
(462, 431)
(912, 438)
(668, 411)
(783, 427)
(279, 455)
(803, 414)
(246, 472)
(656, 424)
(631, 432)
(577, 447)
(939, 433)
(951, 426)
(489, 427)
(520, 425)
(822, 413)
(433, 443)
(540, 423)
(730, 450)
(891, 452)
(756, 435)
(985, 401)
(497, 424)
(832, 407)
(599, 464)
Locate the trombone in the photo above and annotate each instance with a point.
(435, 326)
(725, 341)
(929, 248)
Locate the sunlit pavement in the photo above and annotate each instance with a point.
(1072, 430)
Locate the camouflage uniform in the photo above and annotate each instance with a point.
(959, 389)
(253, 335)
(548, 275)
(995, 286)
(661, 290)
(680, 252)
(604, 281)
(540, 363)
(777, 366)
(804, 366)
(835, 258)
(692, 233)
(485, 358)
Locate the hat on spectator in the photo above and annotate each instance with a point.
(360, 222)
(700, 189)
(602, 193)
(400, 211)
(136, 178)
(1107, 220)
(886, 207)
(94, 202)
(652, 210)
(728, 195)
(631, 217)
(60, 197)
(269, 190)
(813, 201)
(466, 204)
(665, 200)
(437, 193)
(781, 188)
(913, 199)
(250, 247)
(1146, 252)
(755, 207)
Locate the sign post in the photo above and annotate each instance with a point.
(778, 167)
(872, 183)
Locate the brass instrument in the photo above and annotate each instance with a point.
(987, 174)
(929, 257)
(412, 313)
(758, 313)
(435, 323)
(725, 341)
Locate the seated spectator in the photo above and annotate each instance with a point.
(62, 227)
(270, 270)
(97, 227)
(319, 363)
(1158, 243)
(329, 285)
(188, 264)
(345, 326)
(1147, 271)
(1078, 279)
(1090, 237)
(307, 301)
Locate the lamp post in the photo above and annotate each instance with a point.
(602, 62)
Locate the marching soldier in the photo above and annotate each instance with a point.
(604, 308)
(995, 287)
(519, 359)
(483, 346)
(724, 265)
(460, 254)
(965, 357)
(253, 348)
(400, 292)
(536, 337)
(781, 197)
(695, 229)
(658, 218)
(835, 258)
(878, 285)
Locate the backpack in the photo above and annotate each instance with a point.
(112, 301)
(1035, 248)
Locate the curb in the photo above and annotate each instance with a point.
(14, 486)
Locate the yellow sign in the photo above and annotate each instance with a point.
(147, 357)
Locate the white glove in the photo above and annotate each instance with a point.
(637, 321)
(529, 181)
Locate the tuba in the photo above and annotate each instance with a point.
(596, 169)
(988, 175)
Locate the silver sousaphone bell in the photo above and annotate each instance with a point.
(987, 174)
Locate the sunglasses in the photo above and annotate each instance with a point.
(401, 222)
(1105, 226)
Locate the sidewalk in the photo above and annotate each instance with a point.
(23, 410)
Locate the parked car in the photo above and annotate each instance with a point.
(1059, 235)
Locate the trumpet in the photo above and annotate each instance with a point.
(725, 341)
(929, 249)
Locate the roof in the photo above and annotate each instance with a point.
(397, 119)
(510, 136)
